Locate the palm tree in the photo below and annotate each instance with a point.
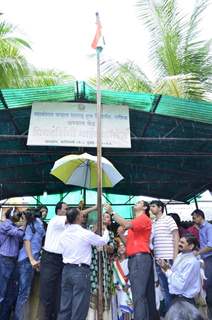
(181, 61)
(13, 65)
(15, 71)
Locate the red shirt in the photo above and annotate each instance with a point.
(138, 237)
(193, 230)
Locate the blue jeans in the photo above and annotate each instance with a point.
(164, 285)
(26, 273)
(11, 296)
(7, 267)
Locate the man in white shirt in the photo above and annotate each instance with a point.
(75, 244)
(165, 244)
(184, 276)
(52, 264)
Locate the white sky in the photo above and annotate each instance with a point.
(60, 32)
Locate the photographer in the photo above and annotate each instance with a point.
(28, 259)
(10, 237)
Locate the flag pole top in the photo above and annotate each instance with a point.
(98, 18)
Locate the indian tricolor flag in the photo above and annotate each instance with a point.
(98, 40)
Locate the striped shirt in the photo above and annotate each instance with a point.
(163, 244)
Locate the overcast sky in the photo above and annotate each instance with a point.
(60, 32)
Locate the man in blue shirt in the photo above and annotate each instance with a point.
(205, 236)
(10, 237)
(184, 275)
(28, 260)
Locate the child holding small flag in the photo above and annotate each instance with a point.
(122, 285)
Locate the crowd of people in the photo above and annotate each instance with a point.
(152, 267)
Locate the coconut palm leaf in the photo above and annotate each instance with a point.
(196, 53)
(39, 78)
(7, 37)
(181, 61)
(176, 50)
(15, 71)
(193, 25)
(164, 22)
(182, 85)
(126, 77)
(13, 66)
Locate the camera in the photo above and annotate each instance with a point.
(19, 214)
(29, 213)
(15, 213)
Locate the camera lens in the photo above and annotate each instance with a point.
(19, 214)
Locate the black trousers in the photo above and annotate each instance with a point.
(75, 296)
(182, 298)
(50, 285)
(141, 276)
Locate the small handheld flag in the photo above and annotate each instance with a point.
(98, 35)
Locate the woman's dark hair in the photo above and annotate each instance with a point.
(191, 239)
(107, 214)
(72, 215)
(38, 209)
(176, 218)
(30, 215)
(42, 207)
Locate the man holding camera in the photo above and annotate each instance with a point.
(28, 259)
(10, 237)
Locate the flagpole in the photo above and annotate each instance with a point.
(99, 141)
(99, 175)
(99, 187)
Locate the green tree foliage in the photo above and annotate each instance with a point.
(181, 61)
(42, 78)
(13, 65)
(15, 71)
